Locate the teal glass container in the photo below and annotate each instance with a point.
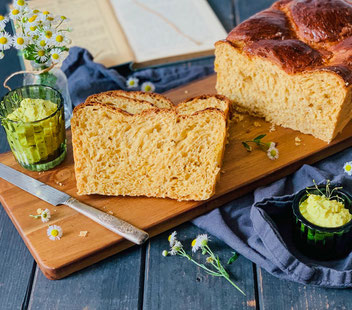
(317, 242)
(41, 144)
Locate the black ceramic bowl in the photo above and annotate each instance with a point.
(320, 242)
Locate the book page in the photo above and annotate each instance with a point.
(164, 28)
(94, 27)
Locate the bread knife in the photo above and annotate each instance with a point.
(55, 197)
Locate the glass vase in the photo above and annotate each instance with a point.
(54, 78)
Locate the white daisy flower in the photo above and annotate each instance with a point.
(5, 41)
(19, 4)
(56, 55)
(200, 241)
(2, 55)
(132, 82)
(46, 17)
(20, 41)
(15, 14)
(45, 215)
(273, 153)
(59, 39)
(31, 31)
(3, 21)
(172, 239)
(48, 33)
(148, 87)
(40, 55)
(165, 253)
(348, 167)
(54, 232)
(33, 20)
(42, 42)
(176, 247)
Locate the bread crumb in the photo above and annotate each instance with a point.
(257, 124)
(272, 128)
(39, 211)
(186, 91)
(83, 233)
(40, 172)
(222, 171)
(59, 183)
(237, 117)
(298, 141)
(110, 212)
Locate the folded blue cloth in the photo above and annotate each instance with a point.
(86, 77)
(259, 227)
(256, 225)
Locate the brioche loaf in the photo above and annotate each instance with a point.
(128, 146)
(292, 64)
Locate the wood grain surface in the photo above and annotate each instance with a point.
(241, 173)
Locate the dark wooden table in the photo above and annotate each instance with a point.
(140, 278)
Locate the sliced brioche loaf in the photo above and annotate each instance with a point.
(175, 152)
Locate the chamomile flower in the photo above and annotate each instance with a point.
(148, 87)
(201, 240)
(48, 33)
(273, 153)
(33, 20)
(40, 55)
(348, 167)
(31, 31)
(59, 39)
(209, 260)
(5, 41)
(176, 247)
(172, 239)
(165, 253)
(60, 19)
(3, 21)
(42, 42)
(15, 14)
(132, 82)
(45, 215)
(56, 55)
(20, 41)
(54, 232)
(20, 4)
(46, 17)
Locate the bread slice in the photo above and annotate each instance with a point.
(158, 152)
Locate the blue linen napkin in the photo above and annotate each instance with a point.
(86, 77)
(258, 226)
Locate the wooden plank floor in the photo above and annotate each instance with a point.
(141, 278)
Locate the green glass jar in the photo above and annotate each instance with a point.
(321, 243)
(37, 145)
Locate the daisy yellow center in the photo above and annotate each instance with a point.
(48, 34)
(54, 232)
(348, 167)
(32, 28)
(45, 215)
(42, 43)
(59, 38)
(50, 18)
(3, 40)
(55, 56)
(35, 11)
(32, 19)
(63, 17)
(2, 18)
(169, 238)
(194, 242)
(41, 53)
(132, 82)
(148, 88)
(20, 2)
(15, 12)
(20, 41)
(273, 153)
(46, 12)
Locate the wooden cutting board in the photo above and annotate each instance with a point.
(241, 173)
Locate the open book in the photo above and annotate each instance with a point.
(141, 32)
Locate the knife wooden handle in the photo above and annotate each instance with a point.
(110, 222)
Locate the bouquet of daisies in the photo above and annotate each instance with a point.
(41, 37)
